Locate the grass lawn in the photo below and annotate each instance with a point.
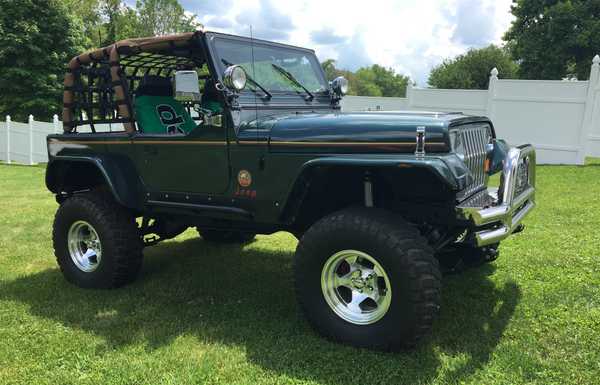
(227, 315)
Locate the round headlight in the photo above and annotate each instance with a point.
(340, 85)
(235, 78)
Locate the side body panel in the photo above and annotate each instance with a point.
(109, 155)
(195, 164)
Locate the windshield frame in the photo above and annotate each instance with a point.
(220, 67)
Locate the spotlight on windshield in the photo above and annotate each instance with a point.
(235, 78)
(340, 85)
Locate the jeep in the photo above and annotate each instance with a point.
(236, 137)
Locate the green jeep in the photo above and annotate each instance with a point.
(238, 137)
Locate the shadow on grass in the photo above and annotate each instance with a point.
(244, 297)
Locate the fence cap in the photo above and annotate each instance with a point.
(596, 59)
(8, 118)
(494, 72)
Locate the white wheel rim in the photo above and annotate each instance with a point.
(84, 246)
(356, 287)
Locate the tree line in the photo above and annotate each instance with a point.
(107, 21)
(39, 37)
(547, 40)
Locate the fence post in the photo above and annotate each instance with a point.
(588, 115)
(409, 93)
(55, 123)
(491, 93)
(8, 139)
(30, 140)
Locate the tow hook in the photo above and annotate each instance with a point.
(519, 228)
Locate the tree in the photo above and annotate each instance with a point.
(89, 13)
(472, 70)
(163, 17)
(389, 82)
(117, 15)
(329, 68)
(364, 82)
(37, 39)
(369, 81)
(107, 21)
(552, 39)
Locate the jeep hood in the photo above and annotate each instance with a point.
(354, 132)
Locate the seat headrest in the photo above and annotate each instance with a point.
(153, 85)
(210, 91)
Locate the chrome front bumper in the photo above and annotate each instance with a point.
(494, 215)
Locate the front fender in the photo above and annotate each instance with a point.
(118, 174)
(447, 169)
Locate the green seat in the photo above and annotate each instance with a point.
(162, 115)
(157, 112)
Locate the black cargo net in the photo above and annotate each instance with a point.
(135, 67)
(93, 95)
(94, 99)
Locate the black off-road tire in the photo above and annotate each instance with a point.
(220, 236)
(403, 253)
(118, 233)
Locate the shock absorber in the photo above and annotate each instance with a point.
(368, 184)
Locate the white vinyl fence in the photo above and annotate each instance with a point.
(25, 143)
(560, 118)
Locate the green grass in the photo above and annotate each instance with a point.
(227, 315)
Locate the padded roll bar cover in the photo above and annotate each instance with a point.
(146, 44)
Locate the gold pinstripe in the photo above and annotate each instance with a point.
(221, 142)
(254, 142)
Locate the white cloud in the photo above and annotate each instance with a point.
(326, 36)
(410, 36)
(267, 21)
(475, 21)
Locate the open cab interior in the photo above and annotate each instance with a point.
(153, 86)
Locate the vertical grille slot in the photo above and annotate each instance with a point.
(475, 139)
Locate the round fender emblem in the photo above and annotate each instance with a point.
(244, 178)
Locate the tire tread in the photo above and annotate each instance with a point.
(120, 232)
(417, 258)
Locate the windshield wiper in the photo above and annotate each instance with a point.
(254, 82)
(291, 78)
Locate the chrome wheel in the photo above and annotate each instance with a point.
(84, 245)
(356, 287)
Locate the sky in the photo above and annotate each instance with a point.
(410, 36)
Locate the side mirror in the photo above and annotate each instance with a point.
(339, 86)
(187, 87)
(235, 78)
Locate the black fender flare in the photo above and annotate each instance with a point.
(118, 172)
(447, 169)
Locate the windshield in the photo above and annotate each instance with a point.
(303, 65)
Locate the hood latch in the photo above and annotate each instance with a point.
(420, 148)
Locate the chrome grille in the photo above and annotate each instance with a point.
(475, 139)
